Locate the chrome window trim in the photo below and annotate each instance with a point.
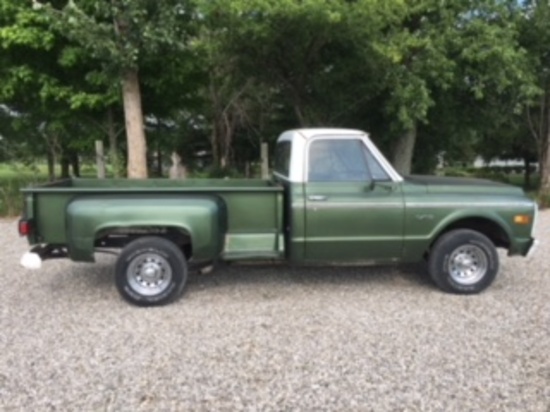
(384, 164)
(352, 205)
(388, 168)
(281, 176)
(511, 205)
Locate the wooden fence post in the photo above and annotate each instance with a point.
(265, 160)
(100, 159)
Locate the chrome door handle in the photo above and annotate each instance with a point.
(317, 198)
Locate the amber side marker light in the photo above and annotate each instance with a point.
(522, 219)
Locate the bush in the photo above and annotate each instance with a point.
(218, 172)
(490, 173)
(543, 199)
(457, 172)
(11, 199)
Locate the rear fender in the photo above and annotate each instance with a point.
(201, 218)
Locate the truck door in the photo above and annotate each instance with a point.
(354, 210)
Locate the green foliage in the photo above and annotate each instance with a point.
(535, 36)
(482, 173)
(218, 172)
(514, 175)
(120, 33)
(543, 199)
(12, 179)
(224, 76)
(10, 198)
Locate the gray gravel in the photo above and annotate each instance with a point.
(274, 338)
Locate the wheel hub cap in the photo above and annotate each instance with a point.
(468, 264)
(151, 271)
(149, 274)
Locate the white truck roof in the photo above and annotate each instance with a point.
(300, 139)
(312, 132)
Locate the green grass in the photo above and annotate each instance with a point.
(15, 171)
(516, 179)
(13, 178)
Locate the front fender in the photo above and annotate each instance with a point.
(202, 218)
(459, 215)
(423, 227)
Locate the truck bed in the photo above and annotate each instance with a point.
(253, 208)
(133, 185)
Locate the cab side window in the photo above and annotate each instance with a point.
(342, 160)
(377, 171)
(337, 161)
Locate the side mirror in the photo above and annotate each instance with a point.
(371, 184)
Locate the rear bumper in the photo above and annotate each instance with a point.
(33, 259)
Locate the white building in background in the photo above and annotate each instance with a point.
(479, 162)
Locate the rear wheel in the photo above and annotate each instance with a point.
(463, 261)
(151, 271)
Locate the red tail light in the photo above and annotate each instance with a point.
(25, 227)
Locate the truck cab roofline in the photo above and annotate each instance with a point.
(300, 140)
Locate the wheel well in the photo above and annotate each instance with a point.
(489, 228)
(119, 237)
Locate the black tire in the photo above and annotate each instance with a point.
(463, 261)
(151, 271)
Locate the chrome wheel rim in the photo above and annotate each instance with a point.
(468, 264)
(149, 274)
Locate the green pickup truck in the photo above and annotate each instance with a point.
(333, 198)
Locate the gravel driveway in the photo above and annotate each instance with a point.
(274, 338)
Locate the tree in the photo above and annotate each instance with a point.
(29, 75)
(274, 65)
(535, 30)
(430, 47)
(424, 76)
(49, 85)
(123, 35)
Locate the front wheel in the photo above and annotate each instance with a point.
(151, 271)
(463, 261)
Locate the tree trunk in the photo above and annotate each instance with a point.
(214, 146)
(403, 152)
(159, 162)
(264, 155)
(113, 144)
(526, 172)
(135, 134)
(69, 160)
(54, 149)
(544, 165)
(51, 165)
(544, 155)
(299, 115)
(65, 163)
(223, 161)
(75, 163)
(225, 156)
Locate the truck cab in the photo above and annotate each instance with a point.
(345, 201)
